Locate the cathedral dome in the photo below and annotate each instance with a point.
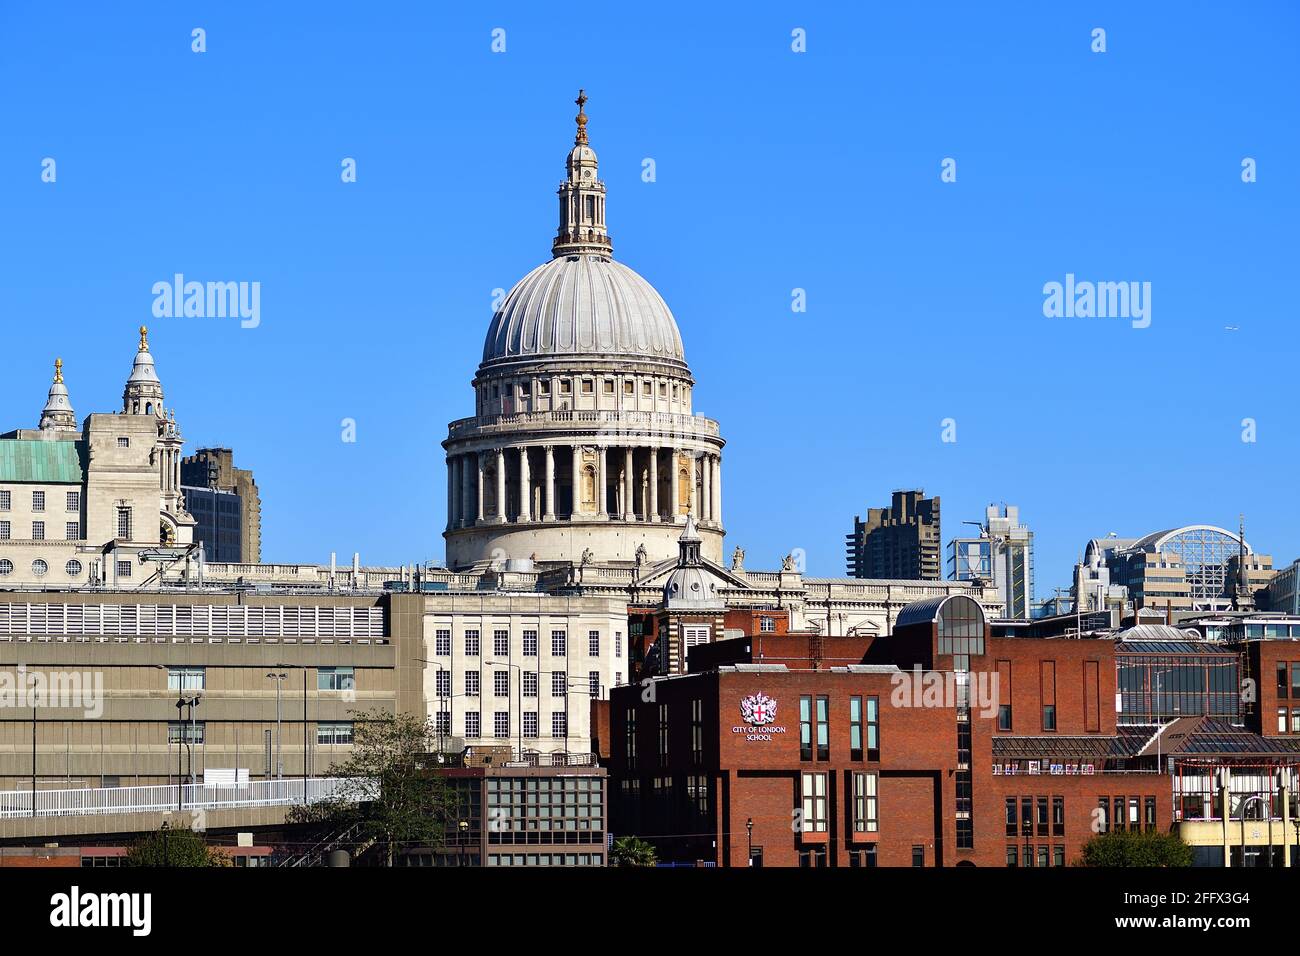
(583, 305)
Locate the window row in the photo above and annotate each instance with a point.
(1040, 856)
(560, 683)
(1125, 813)
(72, 501)
(473, 644)
(473, 724)
(41, 567)
(815, 732)
(812, 815)
(71, 531)
(1030, 816)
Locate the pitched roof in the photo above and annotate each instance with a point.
(43, 462)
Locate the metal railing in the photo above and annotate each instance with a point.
(163, 797)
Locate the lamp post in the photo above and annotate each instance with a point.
(33, 755)
(1244, 804)
(279, 736)
(441, 700)
(304, 669)
(181, 703)
(749, 835)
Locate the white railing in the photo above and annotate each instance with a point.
(199, 620)
(163, 797)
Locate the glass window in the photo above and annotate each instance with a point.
(855, 728)
(334, 732)
(185, 732)
(865, 818)
(530, 643)
(501, 643)
(471, 643)
(186, 678)
(805, 728)
(1004, 716)
(873, 728)
(335, 678)
(814, 802)
(823, 728)
(442, 642)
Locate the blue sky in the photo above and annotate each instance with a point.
(775, 170)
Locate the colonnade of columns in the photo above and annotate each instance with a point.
(528, 483)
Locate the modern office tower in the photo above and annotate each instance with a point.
(1003, 554)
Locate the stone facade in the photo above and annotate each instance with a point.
(77, 506)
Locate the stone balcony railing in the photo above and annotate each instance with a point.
(616, 423)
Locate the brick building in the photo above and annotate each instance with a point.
(943, 745)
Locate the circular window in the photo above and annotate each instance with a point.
(39, 567)
(73, 568)
(6, 567)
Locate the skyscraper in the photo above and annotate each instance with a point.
(900, 541)
(1002, 554)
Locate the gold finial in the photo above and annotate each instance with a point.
(58, 371)
(144, 339)
(581, 138)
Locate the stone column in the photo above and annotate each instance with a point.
(629, 485)
(525, 489)
(549, 515)
(717, 489)
(478, 468)
(576, 467)
(653, 507)
(453, 502)
(696, 481)
(706, 487)
(501, 484)
(466, 492)
(602, 453)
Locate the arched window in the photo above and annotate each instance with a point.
(961, 626)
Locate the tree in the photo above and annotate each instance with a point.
(632, 851)
(1134, 848)
(390, 790)
(175, 847)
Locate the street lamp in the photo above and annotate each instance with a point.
(181, 703)
(441, 700)
(749, 834)
(1244, 804)
(279, 736)
(304, 669)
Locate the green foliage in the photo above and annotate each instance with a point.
(412, 803)
(632, 851)
(175, 847)
(1133, 848)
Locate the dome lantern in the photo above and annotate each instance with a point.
(582, 199)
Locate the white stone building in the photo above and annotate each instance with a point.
(79, 504)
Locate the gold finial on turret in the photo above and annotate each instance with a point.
(58, 371)
(144, 339)
(581, 118)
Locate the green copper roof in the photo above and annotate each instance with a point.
(45, 462)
